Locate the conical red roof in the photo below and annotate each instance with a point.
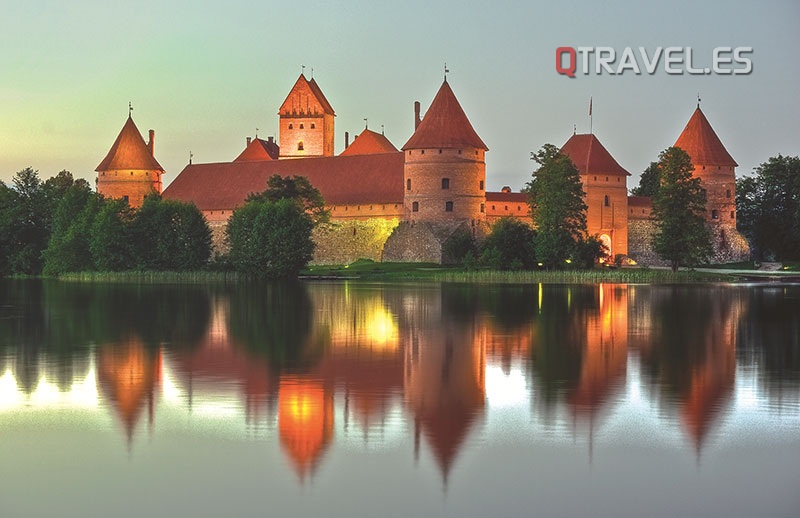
(590, 156)
(129, 152)
(445, 125)
(369, 143)
(256, 151)
(702, 143)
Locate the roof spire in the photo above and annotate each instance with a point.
(302, 70)
(382, 130)
(446, 71)
(698, 99)
(312, 72)
(191, 155)
(130, 108)
(366, 123)
(574, 129)
(256, 132)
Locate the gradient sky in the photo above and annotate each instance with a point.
(204, 75)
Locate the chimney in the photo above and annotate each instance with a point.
(416, 115)
(249, 140)
(505, 188)
(151, 143)
(346, 139)
(270, 139)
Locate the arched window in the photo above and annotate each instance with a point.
(715, 214)
(445, 183)
(448, 206)
(415, 207)
(480, 185)
(483, 208)
(606, 201)
(300, 146)
(313, 126)
(291, 126)
(728, 193)
(301, 125)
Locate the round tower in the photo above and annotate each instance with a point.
(445, 171)
(130, 170)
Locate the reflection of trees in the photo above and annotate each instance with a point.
(560, 338)
(772, 336)
(273, 320)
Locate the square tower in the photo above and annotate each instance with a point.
(306, 121)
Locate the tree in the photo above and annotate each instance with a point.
(768, 208)
(68, 248)
(296, 188)
(510, 246)
(681, 235)
(270, 239)
(109, 240)
(460, 246)
(648, 181)
(557, 207)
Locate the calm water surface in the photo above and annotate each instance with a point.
(350, 399)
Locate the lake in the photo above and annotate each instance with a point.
(371, 399)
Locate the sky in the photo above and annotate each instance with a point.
(205, 75)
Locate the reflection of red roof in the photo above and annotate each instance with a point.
(590, 157)
(129, 151)
(640, 201)
(510, 197)
(257, 151)
(343, 180)
(306, 97)
(446, 429)
(369, 143)
(445, 125)
(702, 143)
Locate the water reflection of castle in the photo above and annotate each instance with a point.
(339, 359)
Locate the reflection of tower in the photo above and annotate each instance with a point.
(305, 420)
(444, 381)
(128, 374)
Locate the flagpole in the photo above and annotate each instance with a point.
(591, 132)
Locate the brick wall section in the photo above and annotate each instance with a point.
(607, 213)
(426, 168)
(640, 242)
(343, 242)
(317, 141)
(135, 184)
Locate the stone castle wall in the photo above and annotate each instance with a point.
(345, 241)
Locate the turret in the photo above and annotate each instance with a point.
(444, 171)
(306, 121)
(130, 170)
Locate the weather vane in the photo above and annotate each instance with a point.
(256, 132)
(190, 157)
(698, 99)
(302, 69)
(382, 129)
(446, 70)
(366, 123)
(130, 108)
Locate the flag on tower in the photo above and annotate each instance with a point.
(590, 106)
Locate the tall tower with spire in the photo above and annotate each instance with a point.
(445, 172)
(716, 169)
(130, 169)
(306, 121)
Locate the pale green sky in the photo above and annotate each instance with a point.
(204, 75)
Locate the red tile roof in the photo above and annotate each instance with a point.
(369, 143)
(445, 125)
(129, 151)
(590, 157)
(300, 98)
(342, 180)
(510, 197)
(257, 151)
(702, 143)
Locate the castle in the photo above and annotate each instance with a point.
(404, 205)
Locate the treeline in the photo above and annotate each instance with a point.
(61, 225)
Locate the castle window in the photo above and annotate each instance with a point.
(517, 208)
(125, 198)
(448, 206)
(415, 207)
(445, 183)
(605, 201)
(733, 214)
(728, 193)
(408, 184)
(422, 152)
(313, 126)
(476, 152)
(354, 230)
(291, 126)
(505, 208)
(301, 125)
(440, 151)
(483, 208)
(715, 214)
(300, 146)
(595, 178)
(459, 151)
(606, 178)
(618, 179)
(480, 185)
(704, 168)
(131, 173)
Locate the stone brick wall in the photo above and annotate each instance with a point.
(344, 241)
(424, 241)
(607, 216)
(135, 184)
(640, 242)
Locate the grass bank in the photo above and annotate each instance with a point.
(146, 277)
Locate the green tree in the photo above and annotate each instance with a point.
(68, 248)
(510, 246)
(109, 240)
(270, 239)
(296, 188)
(681, 235)
(648, 181)
(768, 208)
(557, 207)
(460, 246)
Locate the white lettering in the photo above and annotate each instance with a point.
(719, 60)
(737, 57)
(602, 61)
(670, 60)
(628, 62)
(650, 65)
(689, 67)
(585, 51)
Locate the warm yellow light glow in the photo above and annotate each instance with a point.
(381, 329)
(84, 392)
(169, 389)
